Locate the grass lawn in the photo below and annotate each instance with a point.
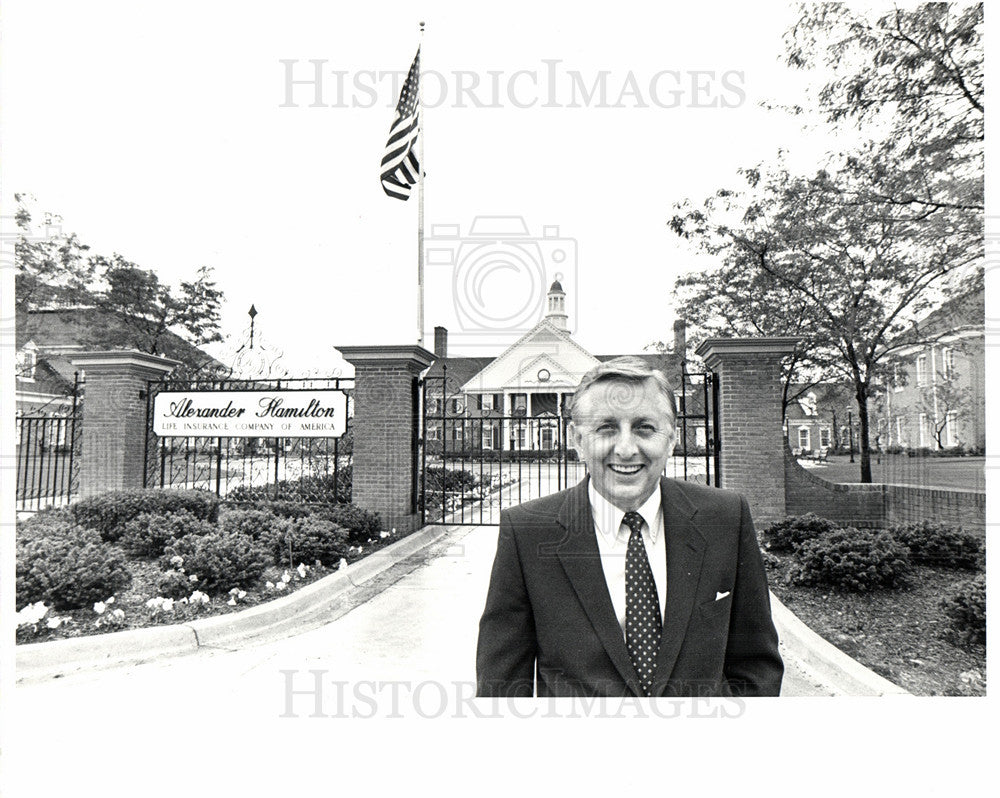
(964, 473)
(900, 634)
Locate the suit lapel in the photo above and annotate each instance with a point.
(685, 551)
(581, 559)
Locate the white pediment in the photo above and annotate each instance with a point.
(543, 348)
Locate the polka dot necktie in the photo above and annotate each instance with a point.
(643, 627)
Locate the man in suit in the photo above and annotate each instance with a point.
(628, 583)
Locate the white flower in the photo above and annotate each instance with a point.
(118, 614)
(155, 603)
(168, 605)
(281, 586)
(32, 614)
(193, 577)
(302, 570)
(177, 560)
(286, 577)
(343, 563)
(110, 600)
(231, 602)
(383, 534)
(100, 607)
(269, 585)
(55, 621)
(199, 597)
(182, 601)
(394, 530)
(242, 594)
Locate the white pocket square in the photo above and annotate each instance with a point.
(720, 596)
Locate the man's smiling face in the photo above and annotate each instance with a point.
(624, 431)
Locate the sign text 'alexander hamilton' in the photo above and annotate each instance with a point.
(250, 414)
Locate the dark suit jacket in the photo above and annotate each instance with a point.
(549, 620)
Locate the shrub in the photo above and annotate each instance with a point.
(221, 561)
(149, 534)
(312, 539)
(448, 479)
(967, 610)
(109, 512)
(940, 545)
(361, 525)
(70, 570)
(176, 585)
(51, 522)
(853, 559)
(260, 524)
(322, 488)
(794, 531)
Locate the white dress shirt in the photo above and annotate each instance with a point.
(612, 542)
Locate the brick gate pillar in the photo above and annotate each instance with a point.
(114, 417)
(386, 423)
(750, 424)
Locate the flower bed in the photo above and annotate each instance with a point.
(158, 563)
(916, 617)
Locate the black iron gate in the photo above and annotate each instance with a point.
(48, 454)
(302, 469)
(476, 461)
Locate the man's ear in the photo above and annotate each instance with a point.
(573, 436)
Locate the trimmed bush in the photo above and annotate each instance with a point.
(149, 534)
(312, 539)
(794, 531)
(110, 512)
(448, 479)
(260, 524)
(321, 488)
(221, 561)
(940, 545)
(175, 585)
(967, 610)
(69, 570)
(51, 522)
(361, 524)
(852, 559)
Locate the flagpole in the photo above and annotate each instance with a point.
(420, 207)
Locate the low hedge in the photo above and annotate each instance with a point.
(309, 540)
(220, 560)
(967, 610)
(852, 559)
(793, 531)
(360, 524)
(323, 489)
(149, 534)
(940, 545)
(109, 512)
(69, 570)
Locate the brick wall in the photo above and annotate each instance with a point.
(879, 505)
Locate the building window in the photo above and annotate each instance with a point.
(487, 438)
(456, 433)
(824, 437)
(924, 430)
(27, 360)
(804, 438)
(921, 370)
(948, 363)
(486, 401)
(546, 438)
(897, 378)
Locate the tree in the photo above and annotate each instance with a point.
(855, 268)
(115, 302)
(912, 79)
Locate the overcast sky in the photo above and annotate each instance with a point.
(170, 133)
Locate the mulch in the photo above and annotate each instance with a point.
(902, 634)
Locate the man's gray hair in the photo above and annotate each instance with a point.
(628, 369)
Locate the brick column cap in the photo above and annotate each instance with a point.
(115, 359)
(714, 350)
(389, 354)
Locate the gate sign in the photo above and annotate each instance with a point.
(250, 414)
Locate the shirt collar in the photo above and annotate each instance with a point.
(608, 518)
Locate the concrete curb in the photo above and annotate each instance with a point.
(843, 674)
(59, 657)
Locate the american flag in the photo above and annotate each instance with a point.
(400, 165)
